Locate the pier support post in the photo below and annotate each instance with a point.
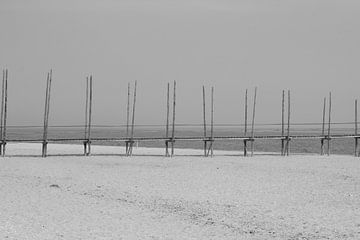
(44, 149)
(245, 123)
(356, 130)
(167, 154)
(88, 115)
(46, 113)
(129, 147)
(253, 123)
(172, 147)
(329, 127)
(4, 148)
(283, 123)
(288, 138)
(130, 142)
(4, 112)
(173, 121)
(322, 140)
(245, 147)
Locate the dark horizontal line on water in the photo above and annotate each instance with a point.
(190, 138)
(177, 125)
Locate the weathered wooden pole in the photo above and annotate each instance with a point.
(128, 111)
(86, 115)
(253, 123)
(323, 128)
(329, 127)
(288, 126)
(127, 119)
(2, 112)
(173, 121)
(212, 123)
(5, 114)
(245, 123)
(131, 141)
(48, 105)
(204, 122)
(167, 120)
(356, 129)
(90, 115)
(283, 123)
(46, 113)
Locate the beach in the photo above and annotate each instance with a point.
(149, 196)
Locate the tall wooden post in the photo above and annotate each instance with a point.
(2, 112)
(173, 122)
(356, 129)
(46, 113)
(204, 123)
(46, 103)
(283, 123)
(90, 115)
(131, 142)
(167, 120)
(245, 123)
(127, 119)
(288, 126)
(253, 123)
(212, 123)
(128, 110)
(5, 112)
(86, 115)
(323, 128)
(329, 127)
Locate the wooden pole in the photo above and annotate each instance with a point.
(204, 118)
(167, 119)
(246, 113)
(48, 110)
(253, 123)
(283, 123)
(45, 113)
(86, 115)
(212, 123)
(245, 124)
(2, 112)
(329, 126)
(323, 127)
(173, 122)
(5, 114)
(48, 105)
(90, 113)
(167, 110)
(288, 126)
(128, 111)
(133, 120)
(127, 119)
(356, 129)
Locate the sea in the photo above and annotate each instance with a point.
(299, 146)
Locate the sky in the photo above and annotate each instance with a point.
(308, 46)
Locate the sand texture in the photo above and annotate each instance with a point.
(184, 197)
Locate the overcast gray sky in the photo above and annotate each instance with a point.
(309, 46)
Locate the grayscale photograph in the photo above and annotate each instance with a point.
(180, 119)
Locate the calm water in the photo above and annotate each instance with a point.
(338, 146)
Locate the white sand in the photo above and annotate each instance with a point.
(153, 197)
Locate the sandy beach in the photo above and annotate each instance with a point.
(185, 197)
